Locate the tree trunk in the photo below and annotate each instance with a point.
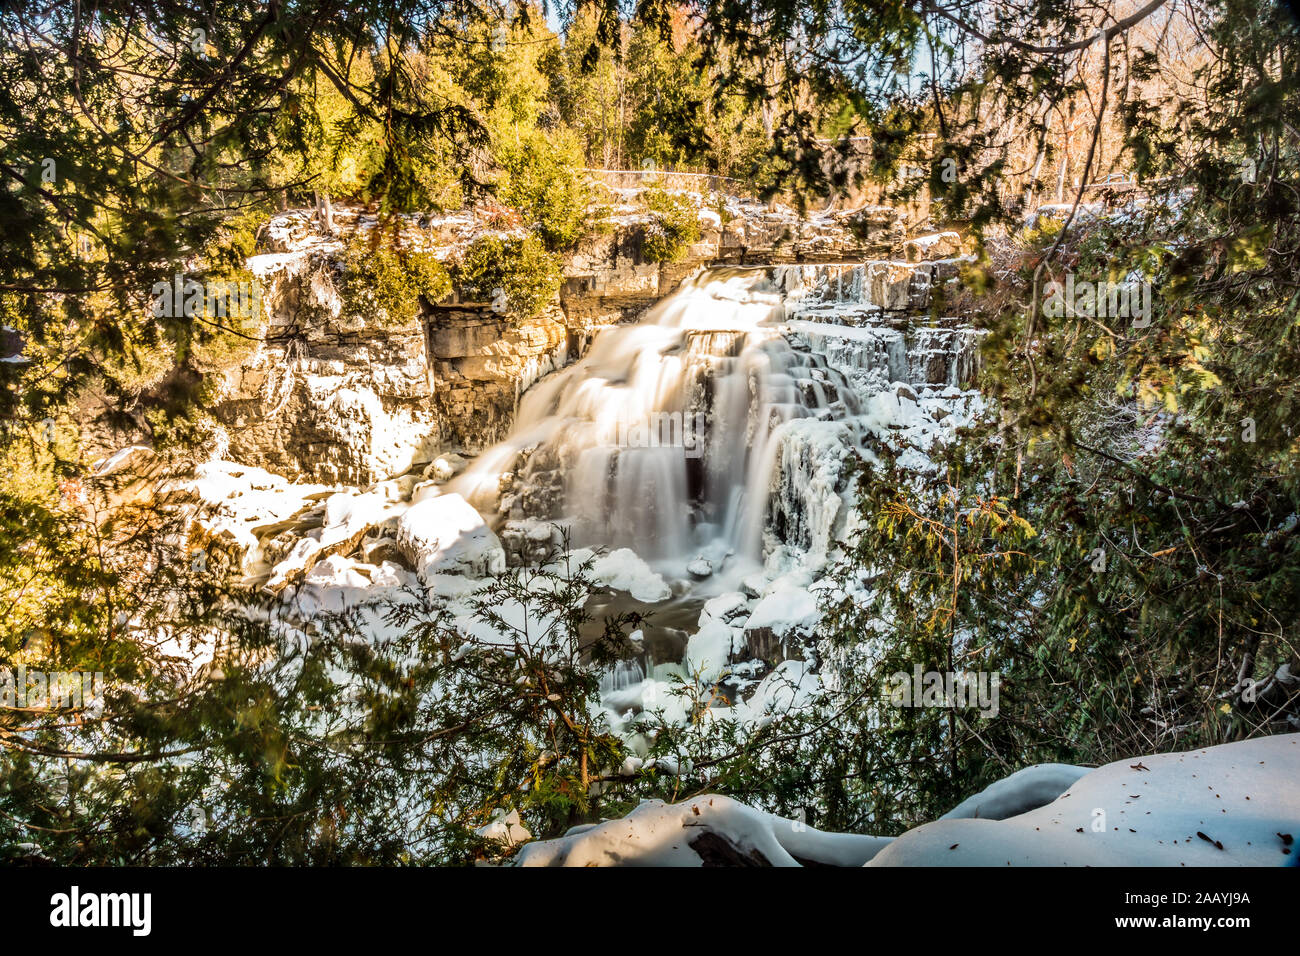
(325, 211)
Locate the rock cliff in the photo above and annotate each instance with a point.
(332, 397)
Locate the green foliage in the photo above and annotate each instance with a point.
(341, 750)
(1157, 601)
(674, 226)
(514, 273)
(230, 328)
(542, 181)
(384, 282)
(670, 117)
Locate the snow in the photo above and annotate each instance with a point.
(336, 584)
(1146, 811)
(1142, 811)
(789, 687)
(652, 695)
(333, 585)
(725, 607)
(1024, 790)
(622, 570)
(348, 511)
(445, 535)
(709, 649)
(445, 467)
(122, 459)
(347, 517)
(236, 499)
(786, 610)
(664, 834)
(938, 238)
(505, 827)
(700, 567)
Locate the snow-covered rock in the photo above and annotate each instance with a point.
(445, 467)
(624, 571)
(790, 686)
(709, 650)
(700, 567)
(728, 607)
(133, 457)
(939, 245)
(445, 535)
(787, 612)
(236, 503)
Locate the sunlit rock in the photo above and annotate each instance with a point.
(444, 535)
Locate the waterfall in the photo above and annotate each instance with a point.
(659, 438)
(721, 425)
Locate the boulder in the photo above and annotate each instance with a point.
(445, 467)
(700, 568)
(786, 615)
(445, 535)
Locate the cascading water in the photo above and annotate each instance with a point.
(715, 440)
(621, 675)
(661, 439)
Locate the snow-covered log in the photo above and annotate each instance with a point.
(705, 831)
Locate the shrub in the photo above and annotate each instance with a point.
(673, 227)
(542, 181)
(384, 283)
(224, 338)
(515, 273)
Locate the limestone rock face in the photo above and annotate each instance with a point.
(607, 280)
(482, 362)
(326, 398)
(345, 399)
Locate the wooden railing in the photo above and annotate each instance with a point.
(669, 179)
